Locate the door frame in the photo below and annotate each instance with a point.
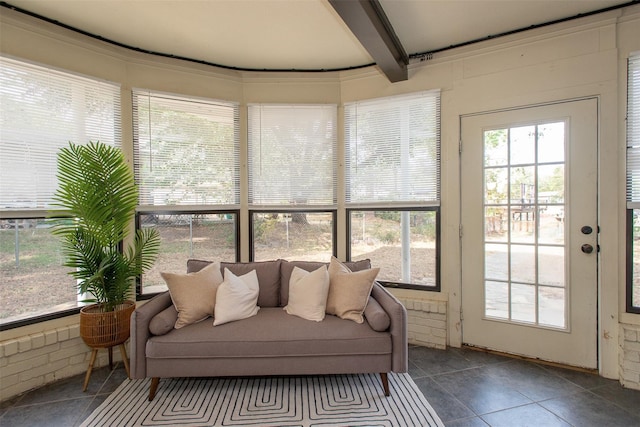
(598, 304)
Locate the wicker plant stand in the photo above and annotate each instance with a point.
(105, 329)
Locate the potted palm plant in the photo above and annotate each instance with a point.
(98, 195)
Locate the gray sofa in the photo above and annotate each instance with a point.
(272, 342)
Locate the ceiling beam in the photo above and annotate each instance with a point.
(368, 22)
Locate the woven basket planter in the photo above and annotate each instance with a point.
(103, 329)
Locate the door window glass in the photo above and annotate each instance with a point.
(524, 187)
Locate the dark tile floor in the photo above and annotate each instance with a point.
(465, 387)
(472, 388)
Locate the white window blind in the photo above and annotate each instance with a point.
(292, 155)
(186, 150)
(392, 150)
(41, 111)
(633, 132)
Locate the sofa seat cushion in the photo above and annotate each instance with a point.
(271, 333)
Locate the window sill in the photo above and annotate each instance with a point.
(396, 285)
(38, 319)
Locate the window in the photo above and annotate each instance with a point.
(401, 242)
(392, 161)
(202, 235)
(186, 163)
(293, 235)
(292, 181)
(633, 184)
(41, 111)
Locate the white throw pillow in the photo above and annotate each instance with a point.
(308, 293)
(237, 297)
(194, 294)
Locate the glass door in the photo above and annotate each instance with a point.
(529, 232)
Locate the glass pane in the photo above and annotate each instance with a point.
(523, 145)
(524, 221)
(31, 262)
(401, 243)
(635, 298)
(523, 302)
(522, 183)
(292, 154)
(551, 224)
(551, 184)
(496, 220)
(496, 262)
(523, 263)
(496, 186)
(208, 236)
(293, 236)
(186, 150)
(392, 149)
(523, 204)
(42, 110)
(496, 148)
(551, 306)
(496, 297)
(551, 265)
(551, 142)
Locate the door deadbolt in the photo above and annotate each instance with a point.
(586, 230)
(587, 248)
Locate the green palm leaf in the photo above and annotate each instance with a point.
(98, 195)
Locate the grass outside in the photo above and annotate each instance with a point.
(636, 273)
(34, 281)
(32, 277)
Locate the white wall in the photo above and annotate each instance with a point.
(584, 57)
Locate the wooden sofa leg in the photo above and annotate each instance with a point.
(385, 383)
(154, 387)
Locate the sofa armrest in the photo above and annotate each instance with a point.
(140, 320)
(398, 328)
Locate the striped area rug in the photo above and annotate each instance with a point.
(305, 401)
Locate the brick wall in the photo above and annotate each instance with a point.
(629, 355)
(39, 358)
(427, 322)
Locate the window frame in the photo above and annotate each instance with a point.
(254, 113)
(140, 295)
(631, 205)
(189, 103)
(398, 284)
(57, 314)
(181, 208)
(47, 209)
(629, 264)
(392, 103)
(291, 206)
(33, 320)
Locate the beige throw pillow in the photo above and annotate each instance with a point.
(349, 292)
(194, 294)
(237, 297)
(308, 293)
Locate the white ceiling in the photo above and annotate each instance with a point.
(294, 34)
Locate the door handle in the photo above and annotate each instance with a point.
(586, 248)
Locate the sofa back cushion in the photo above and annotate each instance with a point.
(268, 273)
(287, 268)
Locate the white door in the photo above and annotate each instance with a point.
(529, 231)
